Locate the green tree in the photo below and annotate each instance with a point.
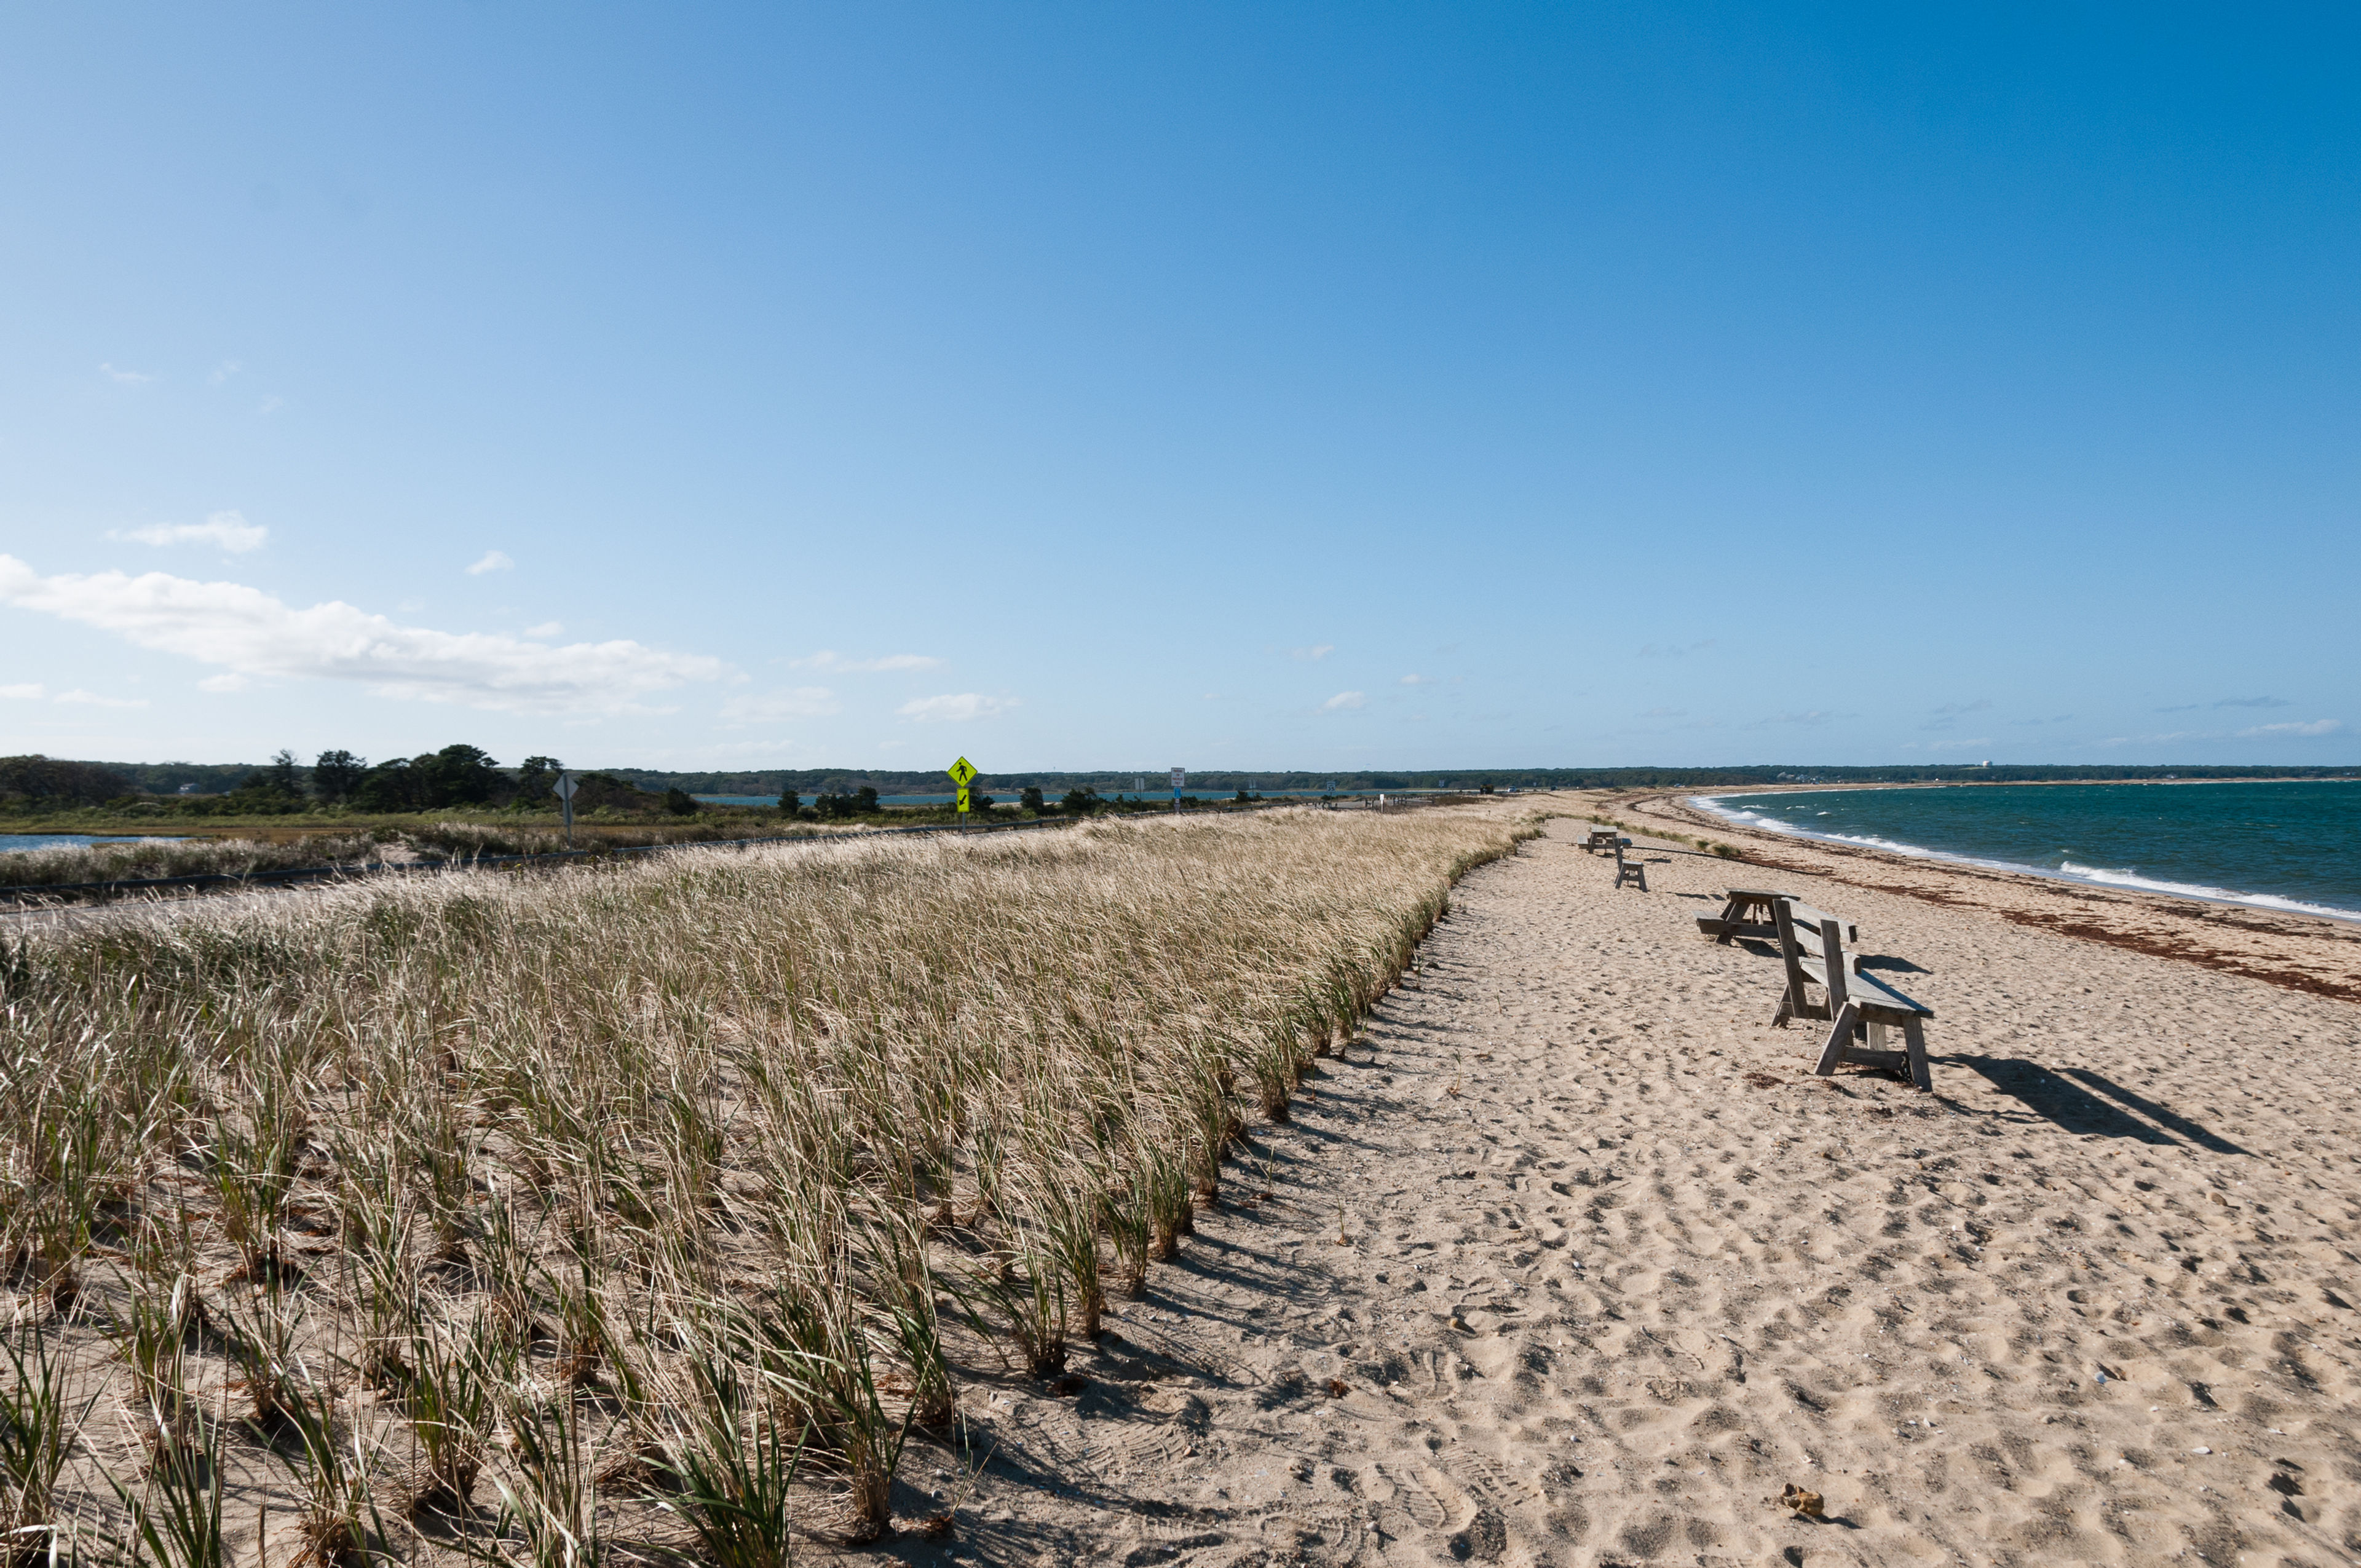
(1029, 797)
(680, 802)
(389, 786)
(336, 774)
(42, 781)
(286, 777)
(790, 802)
(536, 776)
(456, 775)
(1080, 802)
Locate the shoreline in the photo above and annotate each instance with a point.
(2311, 953)
(2276, 903)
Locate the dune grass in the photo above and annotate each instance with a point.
(693, 1189)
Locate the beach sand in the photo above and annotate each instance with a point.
(1572, 1261)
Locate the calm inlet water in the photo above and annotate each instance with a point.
(2291, 845)
(59, 840)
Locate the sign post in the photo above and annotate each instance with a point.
(564, 790)
(1180, 777)
(962, 773)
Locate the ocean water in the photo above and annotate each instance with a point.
(2292, 845)
(60, 840)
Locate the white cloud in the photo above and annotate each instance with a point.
(2156, 739)
(1314, 653)
(827, 660)
(224, 683)
(1343, 699)
(797, 702)
(95, 700)
(127, 377)
(1814, 716)
(249, 632)
(1673, 650)
(962, 706)
(493, 560)
(224, 371)
(2317, 727)
(546, 629)
(1416, 681)
(228, 530)
(32, 691)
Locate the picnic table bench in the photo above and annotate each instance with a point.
(1630, 871)
(1812, 943)
(1746, 913)
(1601, 838)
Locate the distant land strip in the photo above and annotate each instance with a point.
(220, 778)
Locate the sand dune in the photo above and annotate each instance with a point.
(1571, 1262)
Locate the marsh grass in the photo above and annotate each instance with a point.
(404, 843)
(668, 1195)
(143, 859)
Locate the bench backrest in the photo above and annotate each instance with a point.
(1808, 933)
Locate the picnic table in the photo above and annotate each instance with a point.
(1746, 912)
(1601, 838)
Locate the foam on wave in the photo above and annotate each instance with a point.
(2065, 871)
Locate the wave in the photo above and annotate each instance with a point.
(2066, 871)
(2111, 878)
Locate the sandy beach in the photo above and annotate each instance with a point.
(1571, 1261)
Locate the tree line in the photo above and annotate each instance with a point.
(433, 781)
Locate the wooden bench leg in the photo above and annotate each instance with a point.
(1839, 1036)
(1914, 1037)
(1876, 1035)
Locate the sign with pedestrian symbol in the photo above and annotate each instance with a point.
(962, 773)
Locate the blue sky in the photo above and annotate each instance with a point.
(1241, 387)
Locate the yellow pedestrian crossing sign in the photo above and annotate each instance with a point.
(962, 771)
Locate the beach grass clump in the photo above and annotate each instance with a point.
(675, 1196)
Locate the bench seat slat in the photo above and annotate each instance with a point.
(1883, 997)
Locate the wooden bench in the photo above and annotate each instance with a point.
(1600, 838)
(1630, 871)
(1746, 912)
(1812, 944)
